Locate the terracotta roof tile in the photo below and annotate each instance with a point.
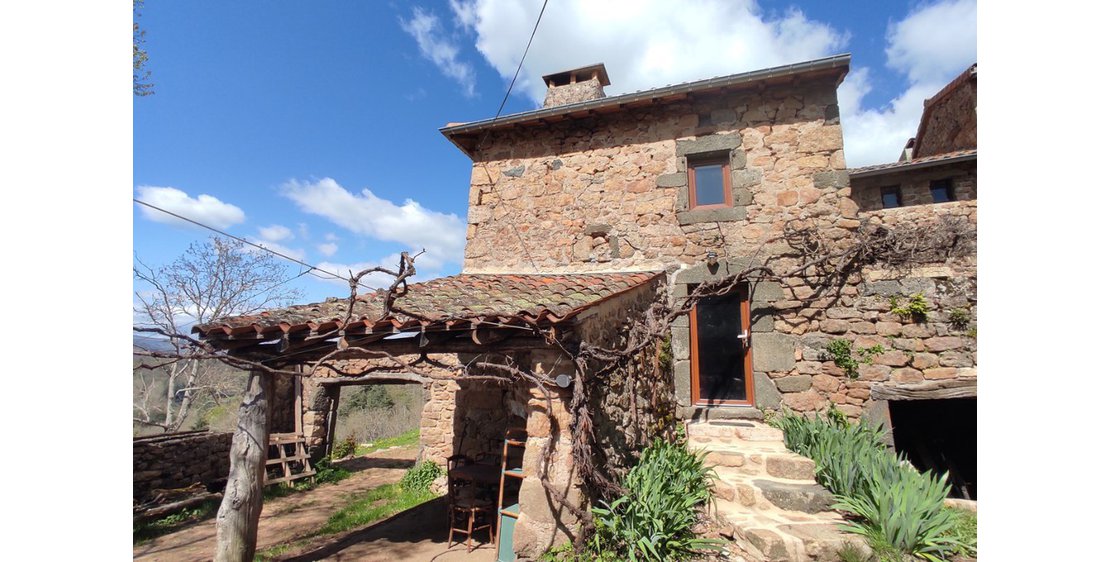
(515, 298)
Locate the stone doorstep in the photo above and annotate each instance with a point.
(748, 431)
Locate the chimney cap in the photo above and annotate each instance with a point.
(578, 74)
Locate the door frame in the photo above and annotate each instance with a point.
(749, 378)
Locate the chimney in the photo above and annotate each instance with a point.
(574, 86)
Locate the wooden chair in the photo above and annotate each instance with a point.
(468, 511)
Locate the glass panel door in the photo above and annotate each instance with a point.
(721, 367)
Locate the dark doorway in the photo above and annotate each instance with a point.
(938, 435)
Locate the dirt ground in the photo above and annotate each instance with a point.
(417, 534)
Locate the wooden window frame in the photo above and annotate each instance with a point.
(749, 379)
(726, 180)
(896, 189)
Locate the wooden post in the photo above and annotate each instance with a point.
(333, 414)
(237, 519)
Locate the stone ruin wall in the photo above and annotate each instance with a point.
(609, 192)
(178, 460)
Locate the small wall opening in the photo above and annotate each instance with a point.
(483, 412)
(939, 435)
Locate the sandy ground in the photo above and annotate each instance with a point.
(422, 530)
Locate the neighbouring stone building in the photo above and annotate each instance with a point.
(583, 212)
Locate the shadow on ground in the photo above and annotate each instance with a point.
(365, 463)
(417, 534)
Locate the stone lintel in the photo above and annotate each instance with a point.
(722, 214)
(708, 144)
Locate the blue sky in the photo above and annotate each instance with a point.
(313, 127)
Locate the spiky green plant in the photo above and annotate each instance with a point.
(655, 519)
(897, 508)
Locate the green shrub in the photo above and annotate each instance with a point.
(897, 508)
(421, 476)
(326, 473)
(959, 319)
(917, 308)
(654, 520)
(840, 352)
(344, 448)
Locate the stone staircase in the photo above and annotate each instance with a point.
(767, 497)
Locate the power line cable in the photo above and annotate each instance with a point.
(252, 244)
(522, 57)
(485, 136)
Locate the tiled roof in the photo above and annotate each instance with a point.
(464, 135)
(443, 303)
(935, 160)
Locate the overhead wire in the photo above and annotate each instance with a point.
(500, 108)
(252, 244)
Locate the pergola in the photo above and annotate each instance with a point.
(528, 317)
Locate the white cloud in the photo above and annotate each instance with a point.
(686, 42)
(710, 38)
(294, 253)
(327, 248)
(374, 280)
(443, 236)
(933, 43)
(204, 209)
(437, 47)
(274, 233)
(930, 47)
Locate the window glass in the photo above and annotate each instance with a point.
(709, 185)
(942, 191)
(720, 354)
(892, 197)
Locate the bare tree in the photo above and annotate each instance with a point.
(212, 279)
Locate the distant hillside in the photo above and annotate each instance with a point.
(151, 344)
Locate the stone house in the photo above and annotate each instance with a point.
(584, 212)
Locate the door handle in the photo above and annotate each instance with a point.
(745, 338)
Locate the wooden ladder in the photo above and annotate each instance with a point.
(290, 451)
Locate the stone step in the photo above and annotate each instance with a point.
(778, 465)
(746, 430)
(785, 537)
(767, 493)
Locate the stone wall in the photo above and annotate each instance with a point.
(632, 405)
(319, 400)
(866, 192)
(470, 417)
(609, 192)
(585, 90)
(178, 460)
(952, 122)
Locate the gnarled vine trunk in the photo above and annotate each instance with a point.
(237, 520)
